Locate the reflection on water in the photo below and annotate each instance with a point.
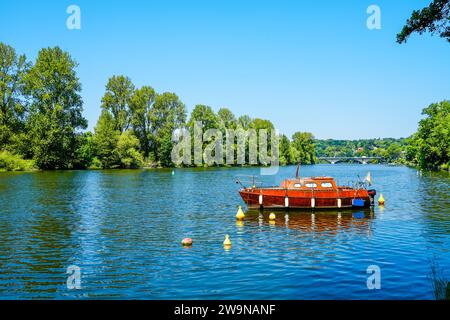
(123, 229)
(330, 222)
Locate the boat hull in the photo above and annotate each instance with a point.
(305, 199)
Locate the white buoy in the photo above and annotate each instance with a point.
(313, 203)
(286, 202)
(339, 203)
(260, 199)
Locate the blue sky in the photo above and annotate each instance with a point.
(305, 65)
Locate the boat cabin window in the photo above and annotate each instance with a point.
(326, 185)
(311, 185)
(297, 185)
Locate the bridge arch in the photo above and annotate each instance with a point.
(361, 160)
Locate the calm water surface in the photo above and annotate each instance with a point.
(123, 229)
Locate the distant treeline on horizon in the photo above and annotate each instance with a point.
(388, 149)
(42, 124)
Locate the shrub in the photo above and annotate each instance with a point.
(13, 162)
(96, 164)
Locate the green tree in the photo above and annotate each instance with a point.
(242, 125)
(433, 137)
(116, 100)
(206, 115)
(412, 150)
(228, 125)
(244, 122)
(393, 152)
(56, 109)
(143, 117)
(13, 69)
(227, 118)
(285, 155)
(258, 125)
(127, 151)
(304, 150)
(169, 115)
(84, 152)
(105, 141)
(209, 120)
(435, 19)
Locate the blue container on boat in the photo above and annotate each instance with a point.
(358, 202)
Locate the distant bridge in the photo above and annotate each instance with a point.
(362, 160)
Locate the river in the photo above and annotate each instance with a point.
(123, 230)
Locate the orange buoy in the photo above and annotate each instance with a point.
(187, 242)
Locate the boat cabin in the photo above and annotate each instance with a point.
(316, 183)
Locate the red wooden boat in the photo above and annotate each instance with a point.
(308, 193)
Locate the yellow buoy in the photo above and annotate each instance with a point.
(381, 200)
(227, 242)
(240, 214)
(272, 216)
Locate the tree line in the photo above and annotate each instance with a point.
(428, 148)
(42, 124)
(389, 150)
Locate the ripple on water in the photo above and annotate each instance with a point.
(123, 228)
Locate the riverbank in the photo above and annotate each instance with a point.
(10, 162)
(28, 168)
